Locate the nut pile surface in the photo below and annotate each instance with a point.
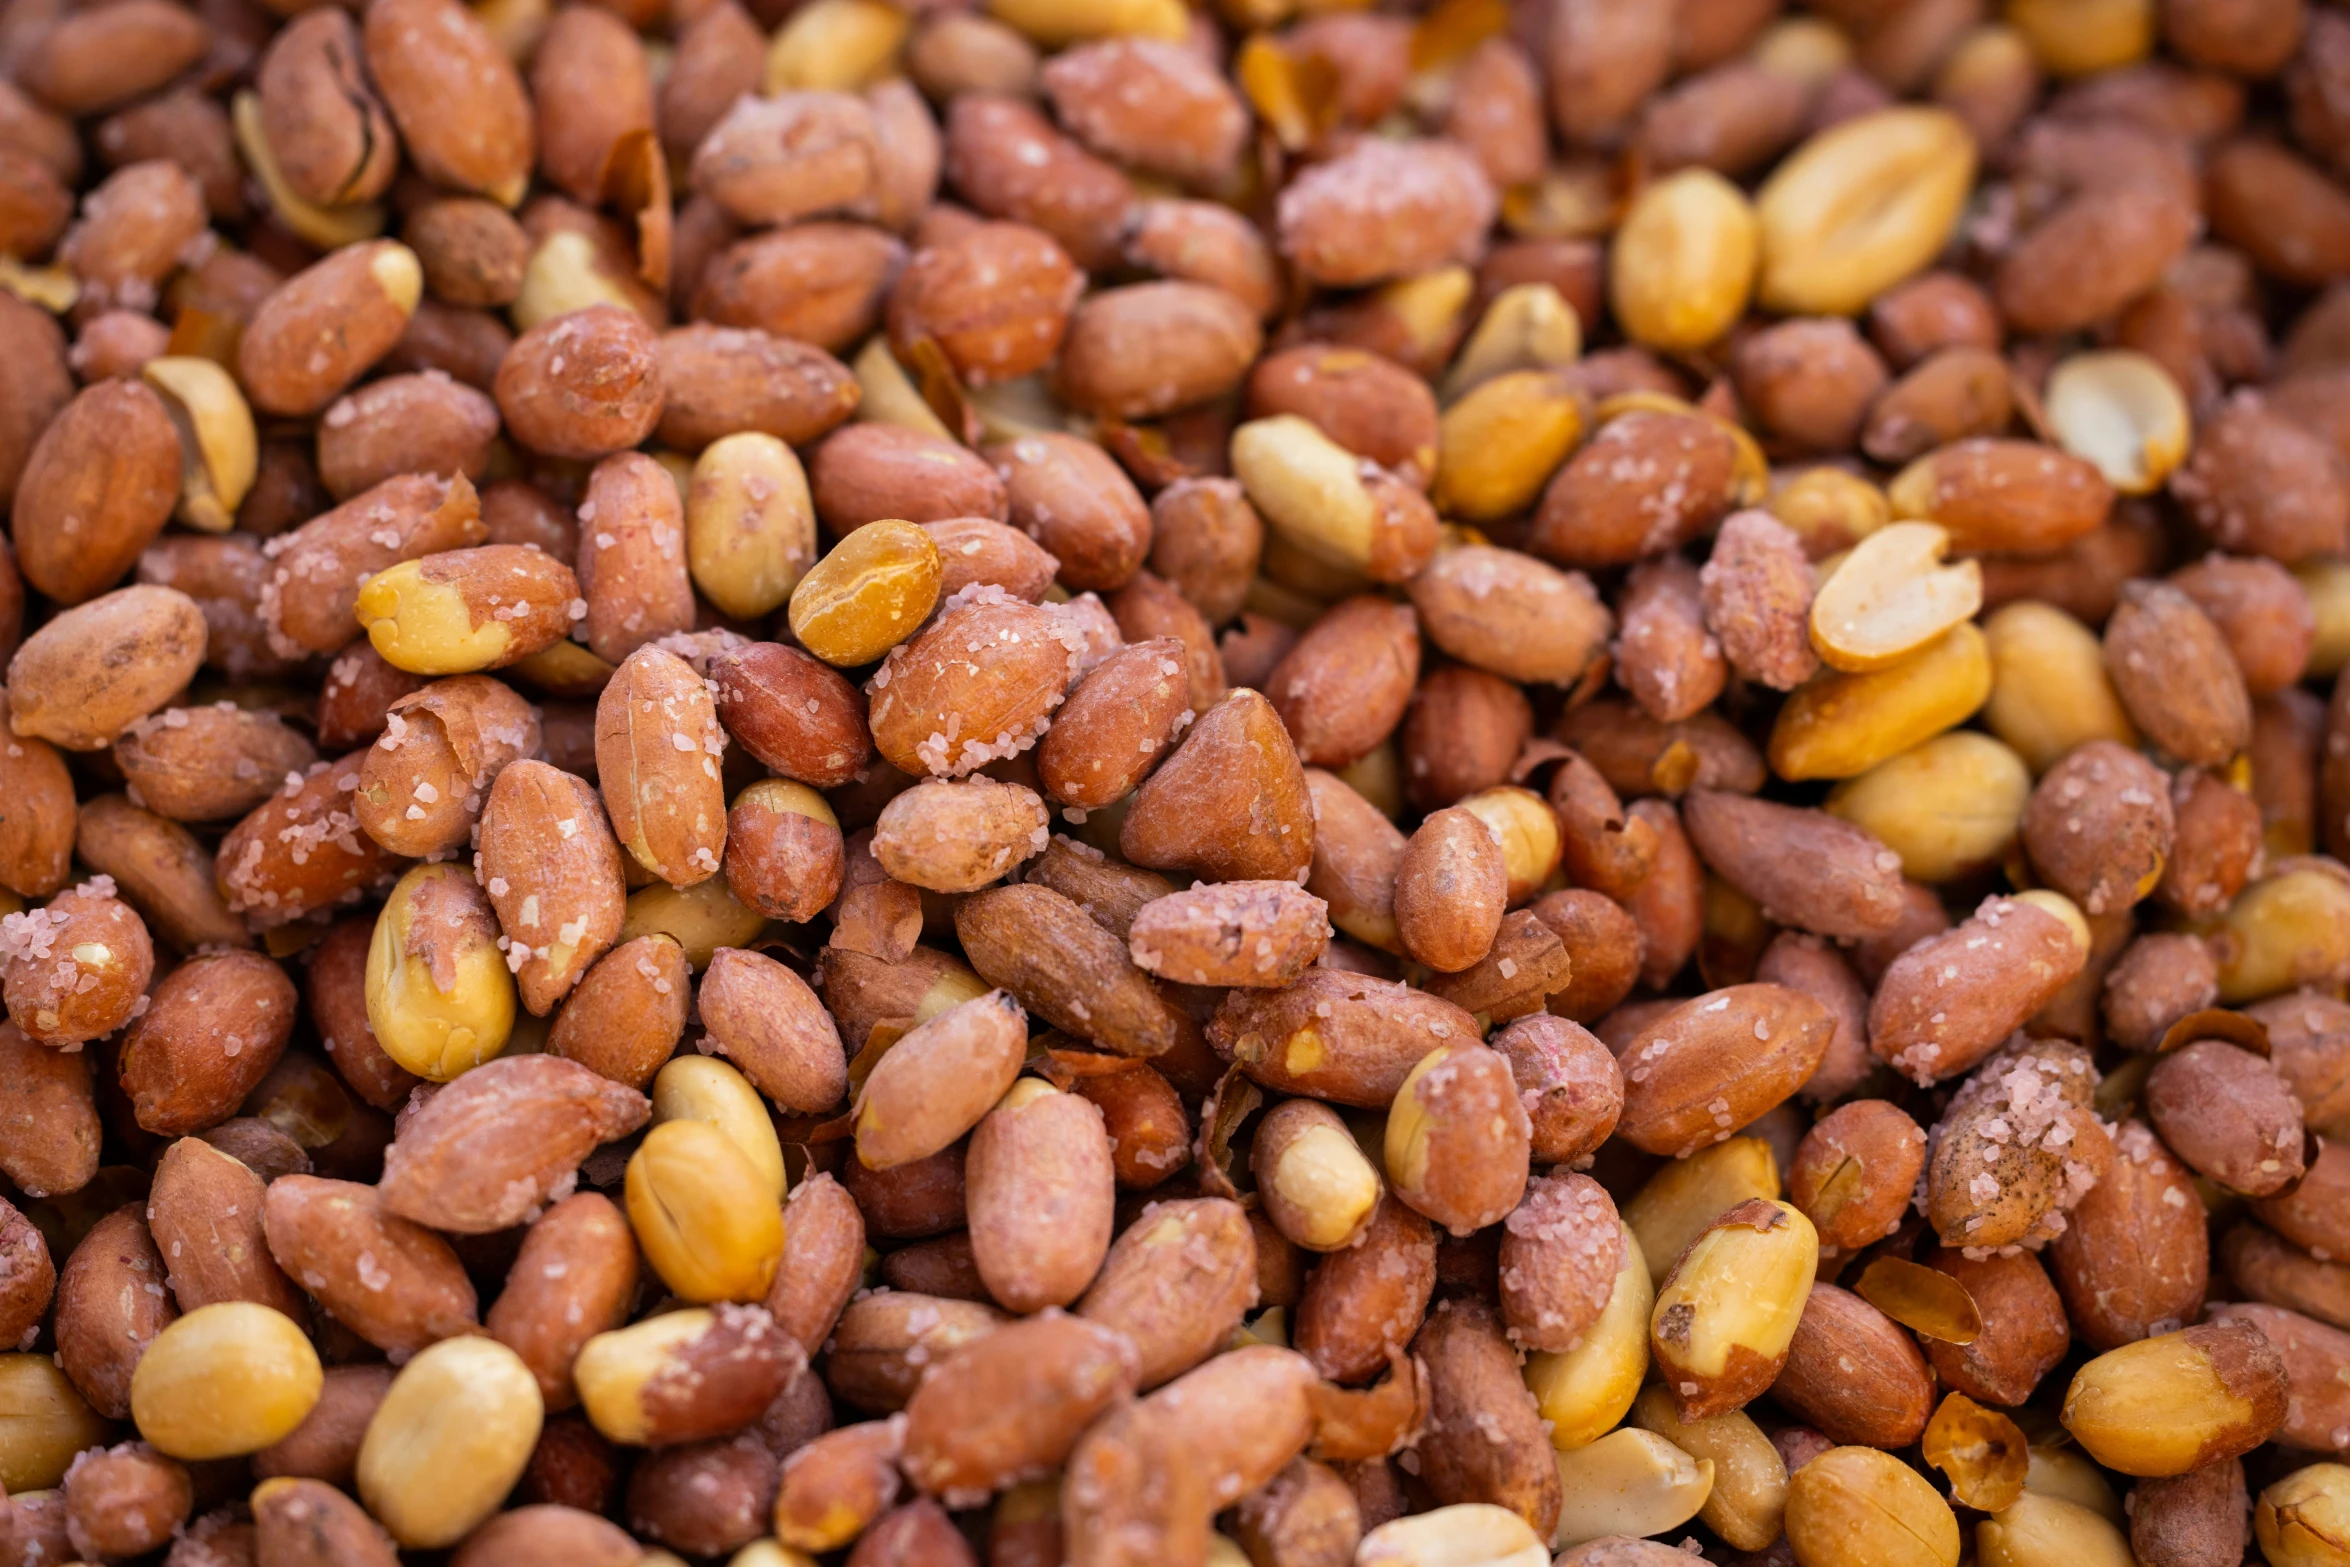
(1147, 783)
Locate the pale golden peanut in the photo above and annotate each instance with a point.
(1465, 1534)
(1631, 1483)
(1583, 1392)
(683, 1376)
(2121, 411)
(1948, 808)
(706, 1089)
(1852, 1506)
(224, 1380)
(1891, 596)
(1841, 725)
(2303, 1520)
(219, 452)
(2178, 1401)
(1500, 443)
(43, 1422)
(1674, 1206)
(868, 594)
(2282, 931)
(1748, 1499)
(750, 525)
(1328, 503)
(1859, 207)
(465, 610)
(439, 996)
(449, 1440)
(1318, 1187)
(1685, 260)
(1727, 1312)
(707, 1218)
(2049, 688)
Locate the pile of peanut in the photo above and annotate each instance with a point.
(1175, 783)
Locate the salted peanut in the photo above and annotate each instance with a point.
(1385, 210)
(974, 686)
(1484, 1438)
(1451, 887)
(472, 251)
(1342, 688)
(2229, 1114)
(1046, 951)
(1253, 933)
(995, 300)
(96, 488)
(870, 472)
(572, 1280)
(208, 763)
(1854, 1172)
(1230, 804)
(420, 423)
(705, 1497)
(1852, 1505)
(322, 328)
(2176, 675)
(449, 1440)
(331, 1237)
(1366, 403)
(1327, 503)
(583, 384)
(1457, 1138)
(1714, 1064)
(706, 1217)
(1206, 541)
(1757, 593)
(1569, 1083)
(97, 668)
(1012, 165)
(439, 996)
(1356, 853)
(2305, 1215)
(1947, 1002)
(820, 283)
(887, 1339)
(224, 1380)
(634, 579)
(834, 1487)
(1510, 614)
(492, 1147)
(464, 610)
(658, 743)
(1072, 498)
(2160, 978)
(2118, 409)
(1806, 868)
(1178, 1280)
(628, 1011)
(1013, 1402)
(791, 712)
(1362, 1303)
(1853, 1374)
(78, 968)
(50, 1144)
(775, 160)
(550, 865)
(1859, 207)
(938, 1082)
(2260, 484)
(1595, 514)
(1630, 1483)
(211, 1031)
(2274, 1273)
(784, 851)
(1728, 1309)
(1953, 394)
(764, 1018)
(2049, 688)
(1669, 908)
(1561, 1250)
(126, 1501)
(422, 786)
(1116, 722)
(1455, 1536)
(2017, 1149)
(2099, 826)
(479, 140)
(1153, 348)
(308, 603)
(2220, 1387)
(684, 1376)
(1040, 1197)
(2186, 1520)
(958, 835)
(2003, 495)
(2314, 1354)
(110, 1307)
